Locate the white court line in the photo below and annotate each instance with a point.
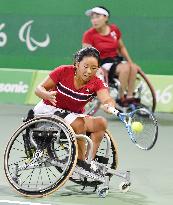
(19, 202)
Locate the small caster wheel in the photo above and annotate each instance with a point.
(124, 186)
(102, 192)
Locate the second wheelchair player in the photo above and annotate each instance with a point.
(115, 59)
(66, 91)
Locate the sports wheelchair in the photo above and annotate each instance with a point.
(42, 155)
(144, 94)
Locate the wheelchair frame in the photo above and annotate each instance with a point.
(39, 159)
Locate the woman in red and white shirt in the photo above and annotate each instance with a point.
(107, 39)
(67, 90)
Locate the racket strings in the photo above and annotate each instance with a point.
(146, 137)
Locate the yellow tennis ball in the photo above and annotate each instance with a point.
(137, 127)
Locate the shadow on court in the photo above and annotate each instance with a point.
(114, 195)
(151, 171)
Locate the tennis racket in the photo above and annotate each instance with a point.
(146, 138)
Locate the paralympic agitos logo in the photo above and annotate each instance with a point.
(31, 43)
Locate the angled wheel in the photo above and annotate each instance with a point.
(145, 91)
(124, 186)
(35, 151)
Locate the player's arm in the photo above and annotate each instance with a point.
(105, 98)
(86, 45)
(43, 90)
(123, 51)
(87, 39)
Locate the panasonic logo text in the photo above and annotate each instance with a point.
(13, 87)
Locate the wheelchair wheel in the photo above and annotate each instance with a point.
(35, 151)
(100, 157)
(145, 91)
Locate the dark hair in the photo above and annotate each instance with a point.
(102, 7)
(86, 52)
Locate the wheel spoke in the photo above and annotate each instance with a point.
(52, 172)
(31, 176)
(38, 177)
(19, 142)
(27, 177)
(17, 162)
(18, 149)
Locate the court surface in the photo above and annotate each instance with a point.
(151, 171)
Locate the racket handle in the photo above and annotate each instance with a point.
(111, 109)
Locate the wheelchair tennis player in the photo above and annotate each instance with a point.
(66, 91)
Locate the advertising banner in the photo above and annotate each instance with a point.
(15, 85)
(39, 76)
(163, 86)
(18, 87)
(44, 35)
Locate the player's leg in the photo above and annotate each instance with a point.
(123, 71)
(131, 82)
(96, 126)
(78, 126)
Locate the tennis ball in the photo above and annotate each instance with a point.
(137, 127)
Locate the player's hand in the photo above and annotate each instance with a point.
(106, 108)
(52, 97)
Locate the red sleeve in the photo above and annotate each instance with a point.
(117, 31)
(99, 84)
(87, 38)
(56, 74)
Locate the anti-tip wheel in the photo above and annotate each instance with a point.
(124, 186)
(102, 192)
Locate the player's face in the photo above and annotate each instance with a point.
(98, 20)
(87, 68)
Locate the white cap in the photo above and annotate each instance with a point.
(97, 10)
